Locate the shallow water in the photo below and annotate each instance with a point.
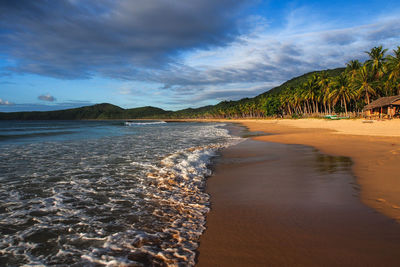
(104, 193)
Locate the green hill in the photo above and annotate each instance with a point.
(95, 112)
(145, 112)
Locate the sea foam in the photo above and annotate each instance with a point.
(130, 123)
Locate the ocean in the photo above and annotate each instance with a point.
(105, 193)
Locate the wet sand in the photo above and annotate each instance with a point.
(290, 205)
(376, 157)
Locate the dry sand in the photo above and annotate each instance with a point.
(350, 127)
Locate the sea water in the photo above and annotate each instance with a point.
(104, 193)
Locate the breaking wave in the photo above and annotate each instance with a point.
(130, 123)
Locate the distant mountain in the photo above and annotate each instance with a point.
(145, 112)
(265, 104)
(95, 112)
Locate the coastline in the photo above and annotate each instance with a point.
(374, 149)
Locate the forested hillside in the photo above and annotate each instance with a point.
(96, 112)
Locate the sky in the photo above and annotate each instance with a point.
(176, 54)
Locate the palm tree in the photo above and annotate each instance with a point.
(377, 60)
(312, 92)
(285, 102)
(393, 63)
(388, 87)
(352, 67)
(299, 96)
(364, 82)
(325, 84)
(342, 91)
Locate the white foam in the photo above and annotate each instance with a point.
(129, 123)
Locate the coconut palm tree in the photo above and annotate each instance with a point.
(364, 82)
(342, 91)
(393, 64)
(312, 92)
(300, 100)
(325, 86)
(377, 60)
(285, 102)
(352, 67)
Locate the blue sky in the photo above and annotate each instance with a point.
(176, 54)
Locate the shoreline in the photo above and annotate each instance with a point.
(374, 149)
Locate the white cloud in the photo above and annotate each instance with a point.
(5, 102)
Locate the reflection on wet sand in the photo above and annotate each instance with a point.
(290, 205)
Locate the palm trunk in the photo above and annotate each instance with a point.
(289, 110)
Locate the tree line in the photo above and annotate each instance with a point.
(356, 87)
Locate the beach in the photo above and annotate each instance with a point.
(310, 193)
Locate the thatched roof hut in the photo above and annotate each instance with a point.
(383, 102)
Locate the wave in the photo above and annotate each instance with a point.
(130, 123)
(179, 201)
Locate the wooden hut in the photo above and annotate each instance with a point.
(384, 107)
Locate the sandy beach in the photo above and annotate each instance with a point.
(275, 204)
